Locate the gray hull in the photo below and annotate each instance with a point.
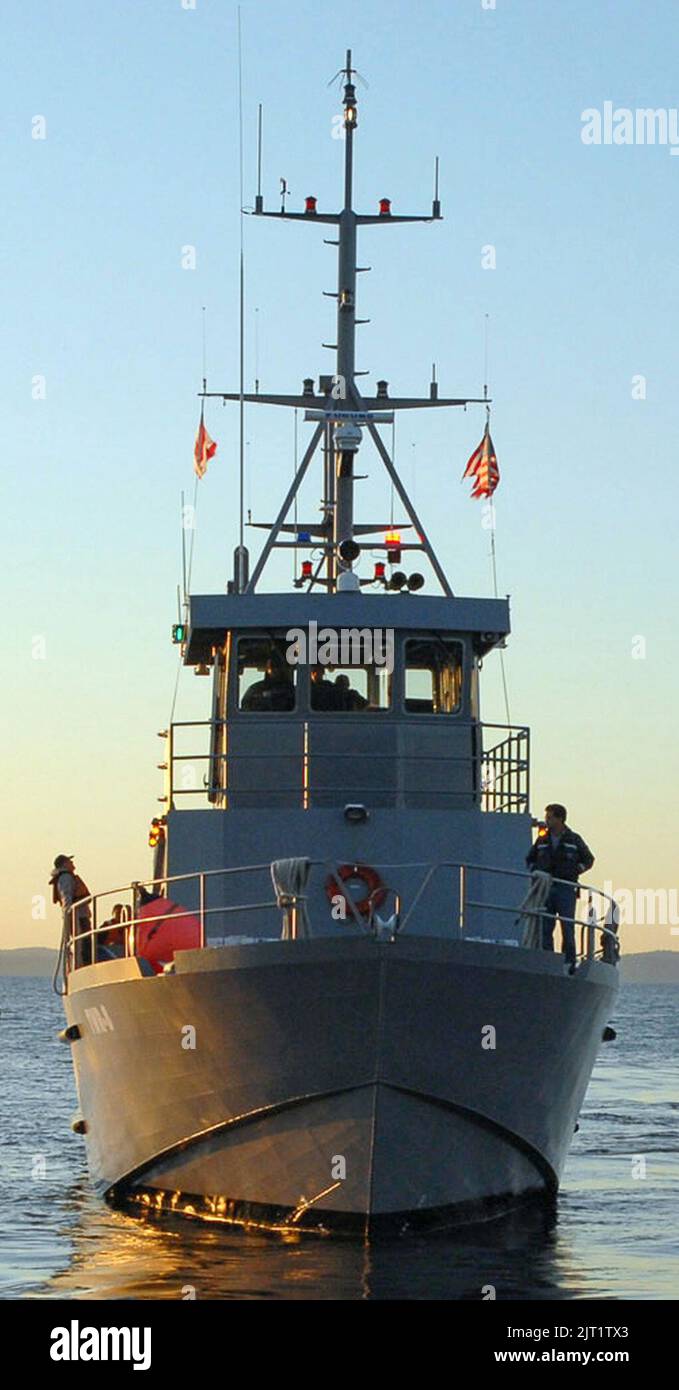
(336, 1083)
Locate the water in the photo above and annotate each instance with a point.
(612, 1234)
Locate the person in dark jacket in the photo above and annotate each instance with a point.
(275, 691)
(561, 852)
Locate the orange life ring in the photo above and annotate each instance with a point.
(375, 890)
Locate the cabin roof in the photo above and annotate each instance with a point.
(212, 615)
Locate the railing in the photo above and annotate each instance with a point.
(605, 921)
(505, 771)
(496, 779)
(598, 930)
(83, 945)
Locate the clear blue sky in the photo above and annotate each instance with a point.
(141, 159)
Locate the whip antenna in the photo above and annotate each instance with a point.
(183, 528)
(491, 503)
(241, 567)
(259, 201)
(242, 287)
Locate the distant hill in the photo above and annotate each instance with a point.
(651, 968)
(28, 960)
(646, 968)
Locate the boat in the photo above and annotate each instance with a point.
(329, 1008)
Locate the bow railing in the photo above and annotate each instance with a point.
(213, 900)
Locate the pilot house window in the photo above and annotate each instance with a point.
(266, 679)
(349, 689)
(433, 676)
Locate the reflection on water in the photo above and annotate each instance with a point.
(118, 1256)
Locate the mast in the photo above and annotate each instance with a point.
(338, 410)
(346, 326)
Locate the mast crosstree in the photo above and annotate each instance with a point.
(339, 410)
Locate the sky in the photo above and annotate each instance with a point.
(135, 108)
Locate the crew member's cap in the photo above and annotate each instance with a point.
(62, 860)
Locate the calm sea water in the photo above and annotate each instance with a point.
(613, 1233)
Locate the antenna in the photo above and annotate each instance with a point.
(241, 559)
(347, 71)
(256, 351)
(436, 205)
(485, 360)
(294, 472)
(241, 441)
(183, 553)
(259, 201)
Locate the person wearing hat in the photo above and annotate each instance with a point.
(68, 889)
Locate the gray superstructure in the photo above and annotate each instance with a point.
(358, 1027)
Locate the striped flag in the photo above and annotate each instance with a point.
(203, 449)
(482, 467)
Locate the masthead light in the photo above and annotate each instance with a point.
(350, 111)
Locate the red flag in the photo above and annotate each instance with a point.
(482, 467)
(203, 449)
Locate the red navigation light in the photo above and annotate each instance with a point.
(310, 204)
(385, 207)
(307, 569)
(380, 570)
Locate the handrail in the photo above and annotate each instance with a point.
(499, 775)
(327, 717)
(607, 928)
(314, 863)
(133, 887)
(386, 757)
(525, 874)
